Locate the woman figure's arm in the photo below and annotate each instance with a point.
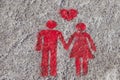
(70, 40)
(92, 44)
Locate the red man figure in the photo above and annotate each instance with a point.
(81, 48)
(47, 42)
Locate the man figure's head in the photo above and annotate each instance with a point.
(51, 24)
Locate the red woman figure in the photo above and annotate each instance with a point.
(47, 42)
(82, 46)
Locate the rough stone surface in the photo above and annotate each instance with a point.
(20, 20)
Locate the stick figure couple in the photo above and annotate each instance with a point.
(82, 46)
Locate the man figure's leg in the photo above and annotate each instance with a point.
(44, 63)
(53, 62)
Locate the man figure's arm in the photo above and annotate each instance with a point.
(62, 40)
(39, 42)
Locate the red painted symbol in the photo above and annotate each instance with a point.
(68, 14)
(81, 48)
(47, 43)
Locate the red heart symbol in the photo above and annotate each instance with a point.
(68, 14)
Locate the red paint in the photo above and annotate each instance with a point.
(47, 42)
(81, 48)
(68, 14)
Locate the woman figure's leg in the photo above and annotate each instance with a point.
(78, 66)
(85, 66)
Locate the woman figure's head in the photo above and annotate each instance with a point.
(81, 27)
